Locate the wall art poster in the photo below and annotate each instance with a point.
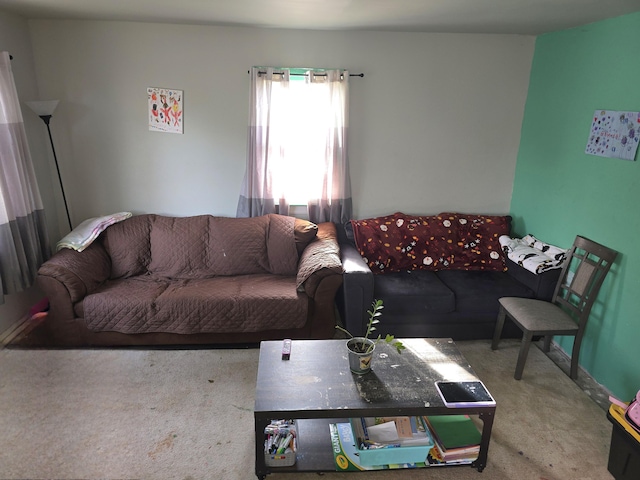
(614, 134)
(165, 109)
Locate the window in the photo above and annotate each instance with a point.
(302, 113)
(297, 152)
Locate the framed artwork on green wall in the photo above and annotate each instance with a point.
(614, 134)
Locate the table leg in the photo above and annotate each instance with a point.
(261, 466)
(487, 424)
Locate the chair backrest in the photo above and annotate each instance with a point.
(582, 276)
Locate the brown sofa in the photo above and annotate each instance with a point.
(158, 280)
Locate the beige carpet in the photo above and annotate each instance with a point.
(188, 414)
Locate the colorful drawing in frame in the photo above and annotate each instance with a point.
(614, 134)
(165, 109)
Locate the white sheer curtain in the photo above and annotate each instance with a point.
(24, 243)
(260, 192)
(297, 151)
(330, 200)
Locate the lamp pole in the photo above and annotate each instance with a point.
(46, 119)
(44, 109)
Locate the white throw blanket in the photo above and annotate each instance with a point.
(532, 254)
(84, 234)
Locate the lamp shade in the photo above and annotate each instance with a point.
(44, 107)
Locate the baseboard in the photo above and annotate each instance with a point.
(585, 381)
(11, 333)
(21, 328)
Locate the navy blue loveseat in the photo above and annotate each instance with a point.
(453, 296)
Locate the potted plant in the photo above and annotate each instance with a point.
(361, 348)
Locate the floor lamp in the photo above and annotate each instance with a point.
(44, 109)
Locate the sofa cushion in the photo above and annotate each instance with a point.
(205, 246)
(405, 242)
(127, 244)
(282, 250)
(147, 304)
(478, 245)
(304, 232)
(479, 291)
(412, 292)
(245, 246)
(178, 247)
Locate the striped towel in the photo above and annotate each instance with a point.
(84, 234)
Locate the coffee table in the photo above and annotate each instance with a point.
(315, 387)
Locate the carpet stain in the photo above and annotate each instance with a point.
(163, 445)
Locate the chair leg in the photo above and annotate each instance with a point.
(522, 357)
(497, 333)
(547, 343)
(575, 356)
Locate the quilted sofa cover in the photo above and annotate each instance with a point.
(155, 279)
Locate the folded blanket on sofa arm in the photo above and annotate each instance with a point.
(84, 234)
(533, 254)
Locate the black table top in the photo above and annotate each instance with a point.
(317, 380)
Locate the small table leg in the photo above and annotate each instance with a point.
(487, 424)
(261, 466)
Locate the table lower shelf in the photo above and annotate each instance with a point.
(315, 451)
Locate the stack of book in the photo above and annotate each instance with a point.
(456, 439)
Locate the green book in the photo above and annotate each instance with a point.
(454, 431)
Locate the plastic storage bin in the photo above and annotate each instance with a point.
(395, 455)
(274, 433)
(624, 454)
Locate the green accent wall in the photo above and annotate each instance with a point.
(560, 192)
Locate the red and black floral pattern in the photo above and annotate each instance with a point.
(478, 240)
(447, 241)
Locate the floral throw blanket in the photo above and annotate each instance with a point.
(533, 254)
(447, 241)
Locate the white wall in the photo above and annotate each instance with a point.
(14, 38)
(435, 122)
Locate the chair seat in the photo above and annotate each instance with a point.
(538, 316)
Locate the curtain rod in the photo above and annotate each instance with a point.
(261, 72)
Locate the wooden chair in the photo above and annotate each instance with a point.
(567, 313)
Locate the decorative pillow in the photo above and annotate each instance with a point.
(304, 232)
(405, 242)
(478, 245)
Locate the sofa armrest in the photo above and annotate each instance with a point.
(543, 284)
(78, 272)
(356, 295)
(320, 259)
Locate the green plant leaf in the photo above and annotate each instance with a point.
(374, 316)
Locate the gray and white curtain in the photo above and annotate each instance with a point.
(24, 243)
(286, 167)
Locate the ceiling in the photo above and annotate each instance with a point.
(527, 17)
